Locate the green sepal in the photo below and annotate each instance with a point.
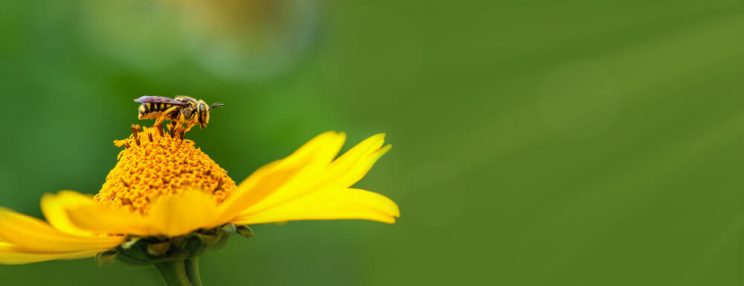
(131, 241)
(230, 228)
(144, 251)
(245, 231)
(158, 248)
(106, 258)
(193, 244)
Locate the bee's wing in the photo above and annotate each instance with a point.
(159, 99)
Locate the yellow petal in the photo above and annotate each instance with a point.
(35, 235)
(95, 217)
(322, 148)
(341, 173)
(54, 207)
(351, 167)
(329, 205)
(303, 164)
(10, 254)
(181, 214)
(169, 215)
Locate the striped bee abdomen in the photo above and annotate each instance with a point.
(152, 110)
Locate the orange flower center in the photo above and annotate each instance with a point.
(153, 164)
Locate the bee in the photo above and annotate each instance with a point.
(178, 110)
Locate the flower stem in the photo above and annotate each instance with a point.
(174, 273)
(192, 271)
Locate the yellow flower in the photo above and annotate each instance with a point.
(163, 189)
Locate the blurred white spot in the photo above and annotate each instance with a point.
(578, 99)
(138, 33)
(235, 39)
(249, 38)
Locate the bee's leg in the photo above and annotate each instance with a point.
(165, 115)
(159, 123)
(168, 112)
(191, 125)
(172, 128)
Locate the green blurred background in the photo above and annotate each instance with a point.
(536, 142)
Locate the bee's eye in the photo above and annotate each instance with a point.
(203, 112)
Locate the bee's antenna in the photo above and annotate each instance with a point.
(216, 105)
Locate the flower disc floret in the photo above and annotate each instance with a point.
(153, 165)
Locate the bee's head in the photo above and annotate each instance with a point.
(202, 112)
